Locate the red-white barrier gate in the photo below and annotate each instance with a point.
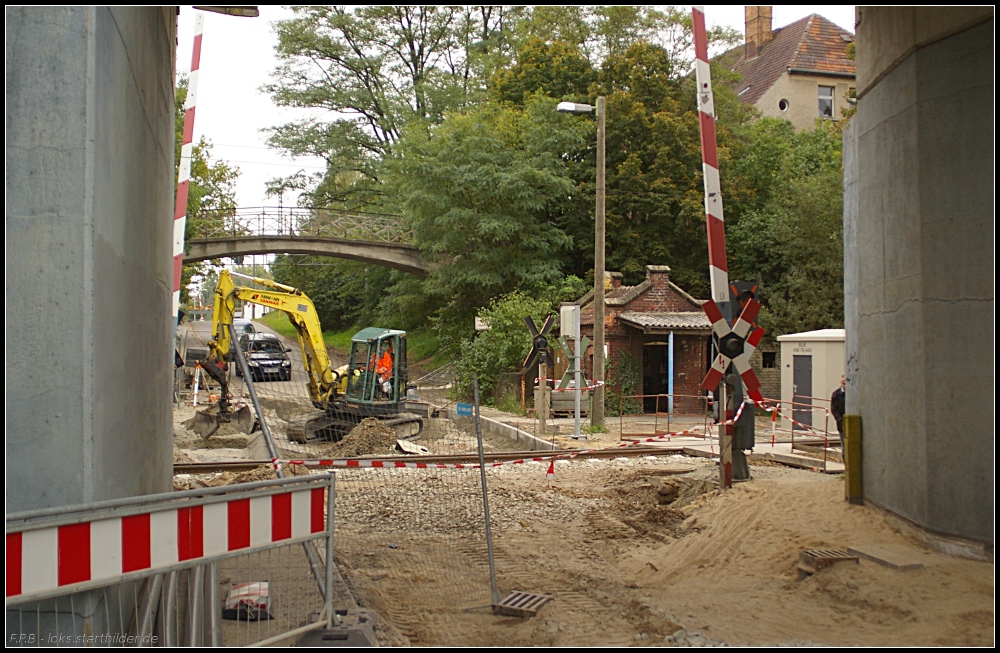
(62, 552)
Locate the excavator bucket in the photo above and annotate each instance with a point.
(244, 418)
(206, 422)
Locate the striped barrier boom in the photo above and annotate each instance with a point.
(718, 271)
(58, 559)
(184, 170)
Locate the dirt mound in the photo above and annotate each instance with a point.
(369, 438)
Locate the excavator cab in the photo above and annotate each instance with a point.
(377, 369)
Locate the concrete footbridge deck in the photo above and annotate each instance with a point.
(367, 237)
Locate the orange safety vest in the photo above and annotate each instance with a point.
(384, 368)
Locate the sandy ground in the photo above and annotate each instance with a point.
(633, 552)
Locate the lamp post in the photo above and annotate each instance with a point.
(597, 404)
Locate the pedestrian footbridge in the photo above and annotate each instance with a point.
(368, 237)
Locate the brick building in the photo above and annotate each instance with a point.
(662, 328)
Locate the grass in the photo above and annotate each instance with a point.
(422, 343)
(278, 322)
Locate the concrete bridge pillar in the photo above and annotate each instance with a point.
(89, 187)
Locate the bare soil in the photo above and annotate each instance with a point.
(643, 552)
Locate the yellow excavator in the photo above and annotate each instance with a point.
(372, 384)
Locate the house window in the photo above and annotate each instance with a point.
(770, 359)
(826, 101)
(783, 105)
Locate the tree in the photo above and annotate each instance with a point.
(601, 32)
(789, 236)
(478, 188)
(555, 67)
(379, 68)
(654, 205)
(502, 348)
(211, 192)
(345, 293)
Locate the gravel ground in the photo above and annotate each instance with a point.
(633, 552)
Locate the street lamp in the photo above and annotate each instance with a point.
(597, 405)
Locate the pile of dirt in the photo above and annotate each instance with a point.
(261, 473)
(369, 438)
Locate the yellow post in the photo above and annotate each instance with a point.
(852, 458)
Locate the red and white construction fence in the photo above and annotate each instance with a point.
(54, 558)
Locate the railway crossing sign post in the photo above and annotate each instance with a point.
(735, 341)
(540, 352)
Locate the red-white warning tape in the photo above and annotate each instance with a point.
(776, 411)
(590, 385)
(399, 464)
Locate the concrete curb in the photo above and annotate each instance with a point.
(513, 433)
(495, 426)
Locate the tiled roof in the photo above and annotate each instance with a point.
(649, 321)
(810, 44)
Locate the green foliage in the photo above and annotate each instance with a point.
(600, 32)
(346, 293)
(623, 379)
(654, 205)
(556, 68)
(477, 189)
(380, 68)
(502, 348)
(279, 323)
(789, 232)
(212, 187)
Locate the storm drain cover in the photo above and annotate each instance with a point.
(813, 560)
(520, 604)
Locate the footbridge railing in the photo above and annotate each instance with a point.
(300, 221)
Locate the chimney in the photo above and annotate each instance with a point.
(758, 30)
(614, 278)
(658, 275)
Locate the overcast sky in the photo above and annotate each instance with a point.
(237, 57)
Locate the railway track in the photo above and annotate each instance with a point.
(614, 452)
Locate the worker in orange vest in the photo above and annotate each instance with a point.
(384, 370)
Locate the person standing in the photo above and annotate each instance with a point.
(837, 407)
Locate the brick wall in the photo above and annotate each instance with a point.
(690, 350)
(770, 378)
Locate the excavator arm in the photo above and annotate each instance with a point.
(301, 313)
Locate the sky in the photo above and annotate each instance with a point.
(237, 58)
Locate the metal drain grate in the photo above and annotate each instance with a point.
(520, 604)
(813, 560)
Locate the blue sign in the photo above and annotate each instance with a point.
(463, 409)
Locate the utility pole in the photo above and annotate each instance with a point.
(597, 407)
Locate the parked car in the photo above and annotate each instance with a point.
(266, 356)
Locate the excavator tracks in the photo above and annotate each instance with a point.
(321, 425)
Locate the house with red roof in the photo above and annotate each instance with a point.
(658, 330)
(799, 72)
(661, 332)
